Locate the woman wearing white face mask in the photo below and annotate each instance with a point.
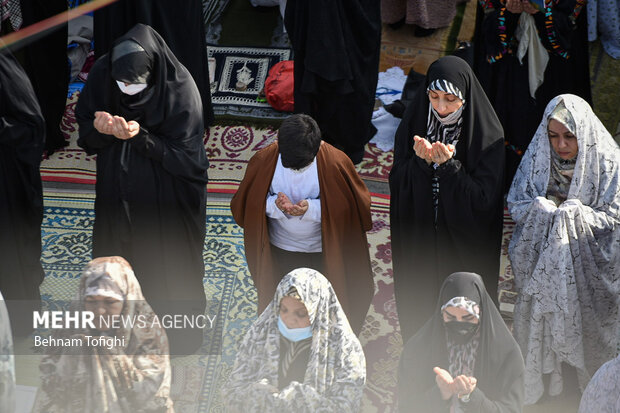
(446, 190)
(300, 355)
(141, 113)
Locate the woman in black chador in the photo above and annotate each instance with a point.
(22, 135)
(336, 46)
(524, 57)
(141, 113)
(464, 359)
(446, 190)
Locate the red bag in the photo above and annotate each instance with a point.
(279, 86)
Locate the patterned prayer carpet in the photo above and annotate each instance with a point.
(250, 65)
(71, 163)
(229, 149)
(66, 238)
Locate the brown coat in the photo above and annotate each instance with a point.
(345, 218)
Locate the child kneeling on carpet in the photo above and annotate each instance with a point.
(105, 369)
(464, 359)
(300, 355)
(302, 204)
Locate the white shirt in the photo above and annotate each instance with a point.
(301, 234)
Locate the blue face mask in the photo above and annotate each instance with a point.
(294, 334)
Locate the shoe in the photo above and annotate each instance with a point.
(397, 25)
(422, 32)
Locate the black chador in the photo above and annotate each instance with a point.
(151, 188)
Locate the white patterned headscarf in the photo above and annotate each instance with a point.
(336, 372)
(466, 304)
(565, 257)
(592, 183)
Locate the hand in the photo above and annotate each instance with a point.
(444, 382)
(125, 130)
(514, 6)
(104, 123)
(283, 203)
(422, 148)
(529, 8)
(545, 204)
(463, 385)
(299, 208)
(441, 153)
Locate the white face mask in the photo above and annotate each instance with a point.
(131, 89)
(452, 118)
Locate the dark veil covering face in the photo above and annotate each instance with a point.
(22, 136)
(467, 235)
(498, 366)
(151, 189)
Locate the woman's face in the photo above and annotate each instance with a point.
(444, 103)
(103, 307)
(564, 143)
(458, 314)
(294, 313)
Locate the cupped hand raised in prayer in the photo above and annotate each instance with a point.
(528, 7)
(115, 125)
(125, 130)
(444, 381)
(463, 385)
(104, 123)
(441, 153)
(422, 148)
(515, 6)
(285, 205)
(460, 386)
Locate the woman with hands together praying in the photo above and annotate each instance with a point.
(141, 114)
(446, 190)
(477, 365)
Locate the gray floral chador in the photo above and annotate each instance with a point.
(566, 257)
(336, 372)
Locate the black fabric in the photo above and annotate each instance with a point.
(151, 189)
(45, 62)
(336, 44)
(506, 80)
(498, 369)
(287, 261)
(22, 135)
(299, 353)
(469, 217)
(134, 67)
(179, 23)
(411, 87)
